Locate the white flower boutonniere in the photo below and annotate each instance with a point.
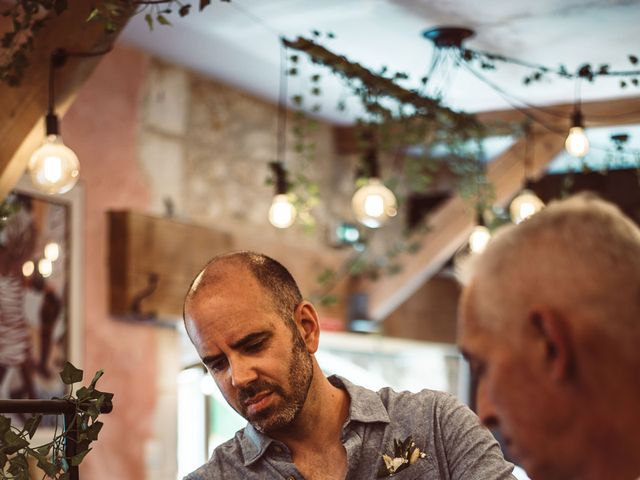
(405, 453)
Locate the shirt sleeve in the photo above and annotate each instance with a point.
(471, 450)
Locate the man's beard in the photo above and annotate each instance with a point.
(300, 375)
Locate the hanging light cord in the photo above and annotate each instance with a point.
(57, 59)
(282, 107)
(528, 141)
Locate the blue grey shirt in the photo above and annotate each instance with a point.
(456, 446)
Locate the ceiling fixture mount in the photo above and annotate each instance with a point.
(448, 36)
(446, 57)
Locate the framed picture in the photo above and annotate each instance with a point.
(40, 324)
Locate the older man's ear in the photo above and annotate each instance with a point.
(308, 325)
(552, 330)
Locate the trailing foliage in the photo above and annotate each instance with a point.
(16, 448)
(28, 17)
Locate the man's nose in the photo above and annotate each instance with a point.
(243, 372)
(485, 407)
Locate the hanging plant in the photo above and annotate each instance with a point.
(82, 429)
(28, 17)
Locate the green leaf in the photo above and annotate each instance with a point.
(31, 425)
(49, 468)
(44, 449)
(70, 374)
(5, 424)
(77, 459)
(149, 19)
(96, 377)
(94, 430)
(162, 20)
(95, 13)
(13, 442)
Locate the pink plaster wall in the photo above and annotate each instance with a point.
(101, 126)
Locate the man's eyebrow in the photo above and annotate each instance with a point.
(262, 335)
(252, 337)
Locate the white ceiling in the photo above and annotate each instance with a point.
(238, 43)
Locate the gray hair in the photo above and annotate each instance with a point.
(580, 255)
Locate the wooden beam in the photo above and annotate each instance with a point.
(602, 113)
(22, 108)
(451, 224)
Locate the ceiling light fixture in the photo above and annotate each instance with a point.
(480, 235)
(53, 167)
(577, 143)
(373, 203)
(446, 57)
(527, 203)
(282, 212)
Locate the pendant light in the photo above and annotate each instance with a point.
(577, 143)
(527, 203)
(373, 203)
(480, 235)
(282, 212)
(53, 167)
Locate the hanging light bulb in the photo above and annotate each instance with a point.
(54, 167)
(577, 143)
(480, 235)
(526, 204)
(282, 213)
(479, 239)
(373, 204)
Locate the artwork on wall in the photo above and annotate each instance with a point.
(38, 292)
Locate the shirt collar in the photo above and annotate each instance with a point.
(254, 444)
(365, 406)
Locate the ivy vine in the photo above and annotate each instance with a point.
(16, 448)
(28, 17)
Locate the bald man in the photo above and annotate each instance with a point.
(257, 337)
(550, 323)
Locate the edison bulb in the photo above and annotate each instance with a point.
(373, 204)
(54, 167)
(45, 267)
(51, 251)
(577, 143)
(28, 268)
(479, 239)
(525, 205)
(282, 213)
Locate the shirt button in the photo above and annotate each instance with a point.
(291, 477)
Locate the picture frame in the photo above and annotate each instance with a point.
(40, 292)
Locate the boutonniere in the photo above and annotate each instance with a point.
(405, 453)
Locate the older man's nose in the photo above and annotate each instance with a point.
(485, 408)
(243, 372)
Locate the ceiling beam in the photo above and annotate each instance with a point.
(451, 224)
(22, 108)
(602, 113)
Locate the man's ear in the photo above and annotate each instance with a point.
(308, 324)
(553, 329)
